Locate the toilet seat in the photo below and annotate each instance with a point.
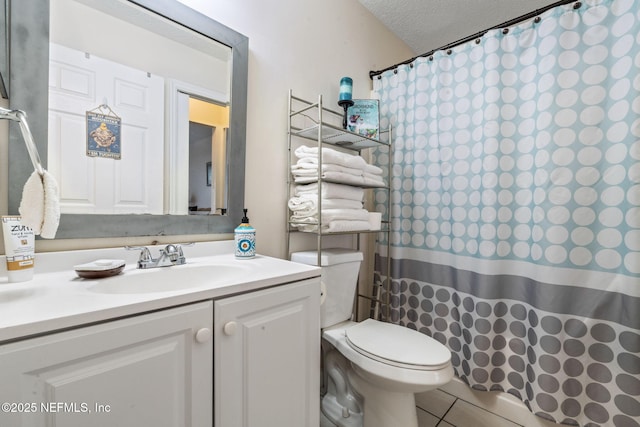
(398, 346)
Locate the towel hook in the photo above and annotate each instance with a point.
(21, 117)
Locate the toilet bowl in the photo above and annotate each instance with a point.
(388, 365)
(371, 369)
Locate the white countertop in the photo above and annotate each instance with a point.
(57, 298)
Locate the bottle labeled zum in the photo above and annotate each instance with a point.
(245, 239)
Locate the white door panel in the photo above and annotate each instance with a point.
(133, 184)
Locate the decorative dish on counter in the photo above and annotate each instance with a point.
(100, 268)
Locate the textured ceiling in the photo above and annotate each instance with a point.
(426, 25)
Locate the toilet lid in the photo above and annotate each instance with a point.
(397, 345)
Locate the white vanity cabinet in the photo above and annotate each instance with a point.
(149, 370)
(258, 350)
(267, 357)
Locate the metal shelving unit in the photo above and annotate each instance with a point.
(312, 121)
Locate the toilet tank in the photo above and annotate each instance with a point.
(340, 268)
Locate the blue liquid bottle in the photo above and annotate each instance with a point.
(245, 238)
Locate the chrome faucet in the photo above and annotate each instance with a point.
(169, 255)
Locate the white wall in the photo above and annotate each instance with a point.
(304, 45)
(208, 64)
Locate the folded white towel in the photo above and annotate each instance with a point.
(40, 205)
(331, 191)
(307, 168)
(372, 180)
(335, 226)
(330, 155)
(329, 215)
(345, 225)
(307, 204)
(312, 161)
(366, 180)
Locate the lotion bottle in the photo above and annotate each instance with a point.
(19, 245)
(245, 238)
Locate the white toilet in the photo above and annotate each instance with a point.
(371, 369)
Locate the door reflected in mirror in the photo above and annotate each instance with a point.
(174, 119)
(208, 126)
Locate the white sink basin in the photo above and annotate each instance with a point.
(167, 279)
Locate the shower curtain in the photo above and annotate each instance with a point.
(515, 209)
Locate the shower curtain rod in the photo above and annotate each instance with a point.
(477, 35)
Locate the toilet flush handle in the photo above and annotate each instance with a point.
(229, 328)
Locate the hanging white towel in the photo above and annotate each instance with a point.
(40, 205)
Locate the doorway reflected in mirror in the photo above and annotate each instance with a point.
(208, 128)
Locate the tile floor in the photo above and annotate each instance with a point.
(438, 408)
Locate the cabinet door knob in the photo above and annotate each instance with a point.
(203, 335)
(230, 328)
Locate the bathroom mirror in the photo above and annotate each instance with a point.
(30, 82)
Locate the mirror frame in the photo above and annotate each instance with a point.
(4, 47)
(29, 85)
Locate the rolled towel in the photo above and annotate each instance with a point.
(40, 205)
(331, 191)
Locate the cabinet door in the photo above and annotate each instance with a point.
(149, 370)
(267, 363)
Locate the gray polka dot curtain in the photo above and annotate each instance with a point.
(515, 209)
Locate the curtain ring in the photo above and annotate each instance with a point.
(478, 41)
(577, 5)
(379, 77)
(431, 58)
(449, 52)
(505, 31)
(395, 71)
(537, 20)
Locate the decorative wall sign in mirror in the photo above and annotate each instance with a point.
(177, 80)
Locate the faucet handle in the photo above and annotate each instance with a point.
(175, 253)
(180, 245)
(145, 253)
(171, 251)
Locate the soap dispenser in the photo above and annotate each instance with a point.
(245, 237)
